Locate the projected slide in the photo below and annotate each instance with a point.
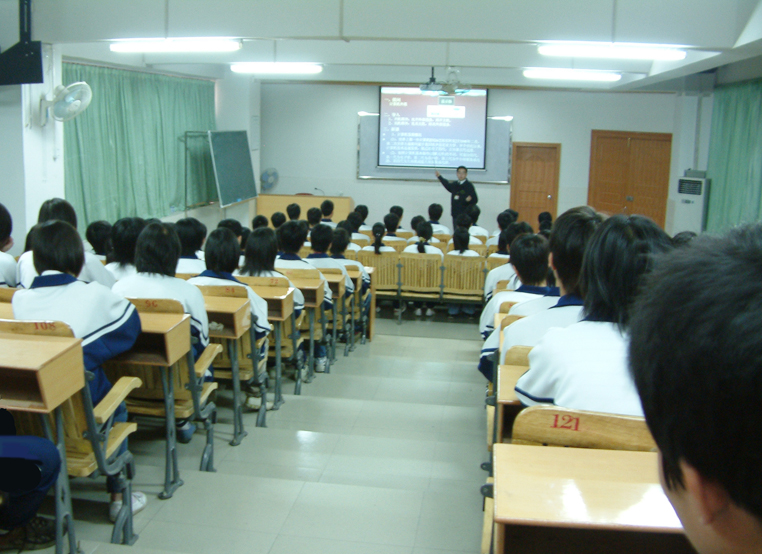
(424, 129)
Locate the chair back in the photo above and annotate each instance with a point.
(464, 275)
(157, 305)
(491, 249)
(398, 245)
(385, 264)
(482, 238)
(421, 273)
(6, 294)
(350, 254)
(231, 291)
(279, 282)
(405, 234)
(305, 251)
(505, 307)
(185, 276)
(304, 274)
(504, 285)
(495, 261)
(443, 237)
(556, 426)
(480, 249)
(368, 234)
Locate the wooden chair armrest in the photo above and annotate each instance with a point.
(206, 359)
(108, 405)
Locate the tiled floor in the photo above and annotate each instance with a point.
(381, 456)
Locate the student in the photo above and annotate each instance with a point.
(245, 232)
(417, 220)
(234, 225)
(378, 246)
(355, 220)
(326, 210)
(398, 211)
(362, 209)
(190, 243)
(391, 221)
(348, 227)
(294, 211)
(277, 219)
(502, 246)
(463, 220)
(7, 262)
(92, 269)
(422, 246)
(259, 221)
(314, 215)
(338, 247)
(435, 214)
(506, 272)
(98, 234)
(544, 216)
(124, 236)
(503, 220)
(475, 231)
(695, 357)
(201, 231)
(584, 366)
(529, 258)
(321, 237)
(107, 323)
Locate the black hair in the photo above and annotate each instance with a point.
(514, 213)
(98, 234)
(415, 221)
(191, 240)
(397, 210)
(232, 224)
(435, 212)
(222, 252)
(463, 167)
(683, 238)
(29, 241)
(516, 229)
(463, 221)
(340, 242)
(379, 230)
(504, 219)
(473, 212)
(346, 225)
(362, 209)
(6, 225)
(294, 211)
(57, 208)
(529, 255)
(259, 221)
(544, 216)
(618, 256)
(544, 233)
(157, 249)
(124, 236)
(546, 225)
(314, 215)
(321, 237)
(391, 221)
(261, 250)
(424, 232)
(355, 220)
(58, 247)
(571, 232)
(326, 208)
(696, 359)
(245, 232)
(503, 241)
(291, 236)
(460, 239)
(277, 219)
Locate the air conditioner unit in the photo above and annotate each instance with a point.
(690, 210)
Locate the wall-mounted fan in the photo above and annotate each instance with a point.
(67, 102)
(269, 178)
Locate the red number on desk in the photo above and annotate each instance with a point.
(229, 290)
(567, 422)
(151, 304)
(273, 281)
(45, 326)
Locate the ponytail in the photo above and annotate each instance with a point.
(425, 232)
(379, 230)
(421, 247)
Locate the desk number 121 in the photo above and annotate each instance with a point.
(567, 422)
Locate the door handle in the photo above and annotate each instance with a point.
(549, 197)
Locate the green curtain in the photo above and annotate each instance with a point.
(125, 155)
(735, 156)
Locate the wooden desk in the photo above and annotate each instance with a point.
(581, 500)
(37, 374)
(313, 292)
(508, 404)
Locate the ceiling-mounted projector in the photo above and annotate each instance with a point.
(431, 85)
(452, 87)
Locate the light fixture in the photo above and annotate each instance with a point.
(612, 50)
(563, 74)
(277, 68)
(176, 45)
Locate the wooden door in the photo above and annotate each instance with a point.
(534, 180)
(629, 173)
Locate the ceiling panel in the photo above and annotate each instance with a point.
(363, 52)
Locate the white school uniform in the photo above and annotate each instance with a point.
(414, 239)
(522, 294)
(413, 249)
(364, 227)
(7, 270)
(328, 222)
(465, 253)
(439, 229)
(471, 240)
(493, 241)
(530, 330)
(353, 247)
(92, 271)
(194, 266)
(320, 261)
(498, 255)
(372, 248)
(476, 231)
(154, 285)
(354, 263)
(257, 303)
(392, 238)
(292, 261)
(107, 323)
(360, 238)
(120, 271)
(583, 367)
(531, 307)
(298, 295)
(505, 272)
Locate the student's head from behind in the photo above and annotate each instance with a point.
(57, 247)
(617, 258)
(291, 236)
(417, 220)
(222, 252)
(516, 229)
(340, 242)
(397, 210)
(463, 220)
(696, 358)
(6, 228)
(504, 219)
(189, 233)
(473, 212)
(326, 208)
(124, 237)
(245, 232)
(259, 221)
(320, 238)
(378, 230)
(98, 234)
(546, 225)
(355, 220)
(57, 208)
(234, 225)
(435, 212)
(544, 216)
(391, 221)
(683, 238)
(278, 219)
(362, 209)
(294, 211)
(157, 249)
(424, 232)
(461, 173)
(261, 250)
(460, 239)
(514, 213)
(571, 233)
(314, 215)
(346, 225)
(529, 256)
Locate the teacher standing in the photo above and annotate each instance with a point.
(462, 191)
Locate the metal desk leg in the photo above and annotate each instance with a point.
(171, 470)
(324, 326)
(351, 341)
(278, 400)
(311, 360)
(238, 432)
(334, 335)
(261, 382)
(207, 414)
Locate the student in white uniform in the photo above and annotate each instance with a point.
(379, 230)
(7, 262)
(348, 227)
(529, 258)
(277, 219)
(465, 222)
(567, 244)
(435, 214)
(417, 220)
(124, 236)
(92, 270)
(338, 247)
(293, 211)
(362, 209)
(355, 220)
(259, 221)
(321, 237)
(314, 215)
(695, 356)
(107, 323)
(191, 241)
(475, 231)
(98, 234)
(326, 209)
(584, 366)
(502, 246)
(398, 211)
(503, 220)
(506, 272)
(392, 223)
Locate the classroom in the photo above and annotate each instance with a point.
(386, 453)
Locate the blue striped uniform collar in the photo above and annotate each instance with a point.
(531, 289)
(317, 255)
(569, 300)
(286, 256)
(219, 275)
(52, 280)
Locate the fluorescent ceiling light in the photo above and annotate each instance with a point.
(571, 74)
(277, 68)
(611, 50)
(176, 45)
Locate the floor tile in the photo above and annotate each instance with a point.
(450, 521)
(196, 537)
(286, 544)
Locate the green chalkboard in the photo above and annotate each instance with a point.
(232, 166)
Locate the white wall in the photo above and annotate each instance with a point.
(309, 133)
(12, 161)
